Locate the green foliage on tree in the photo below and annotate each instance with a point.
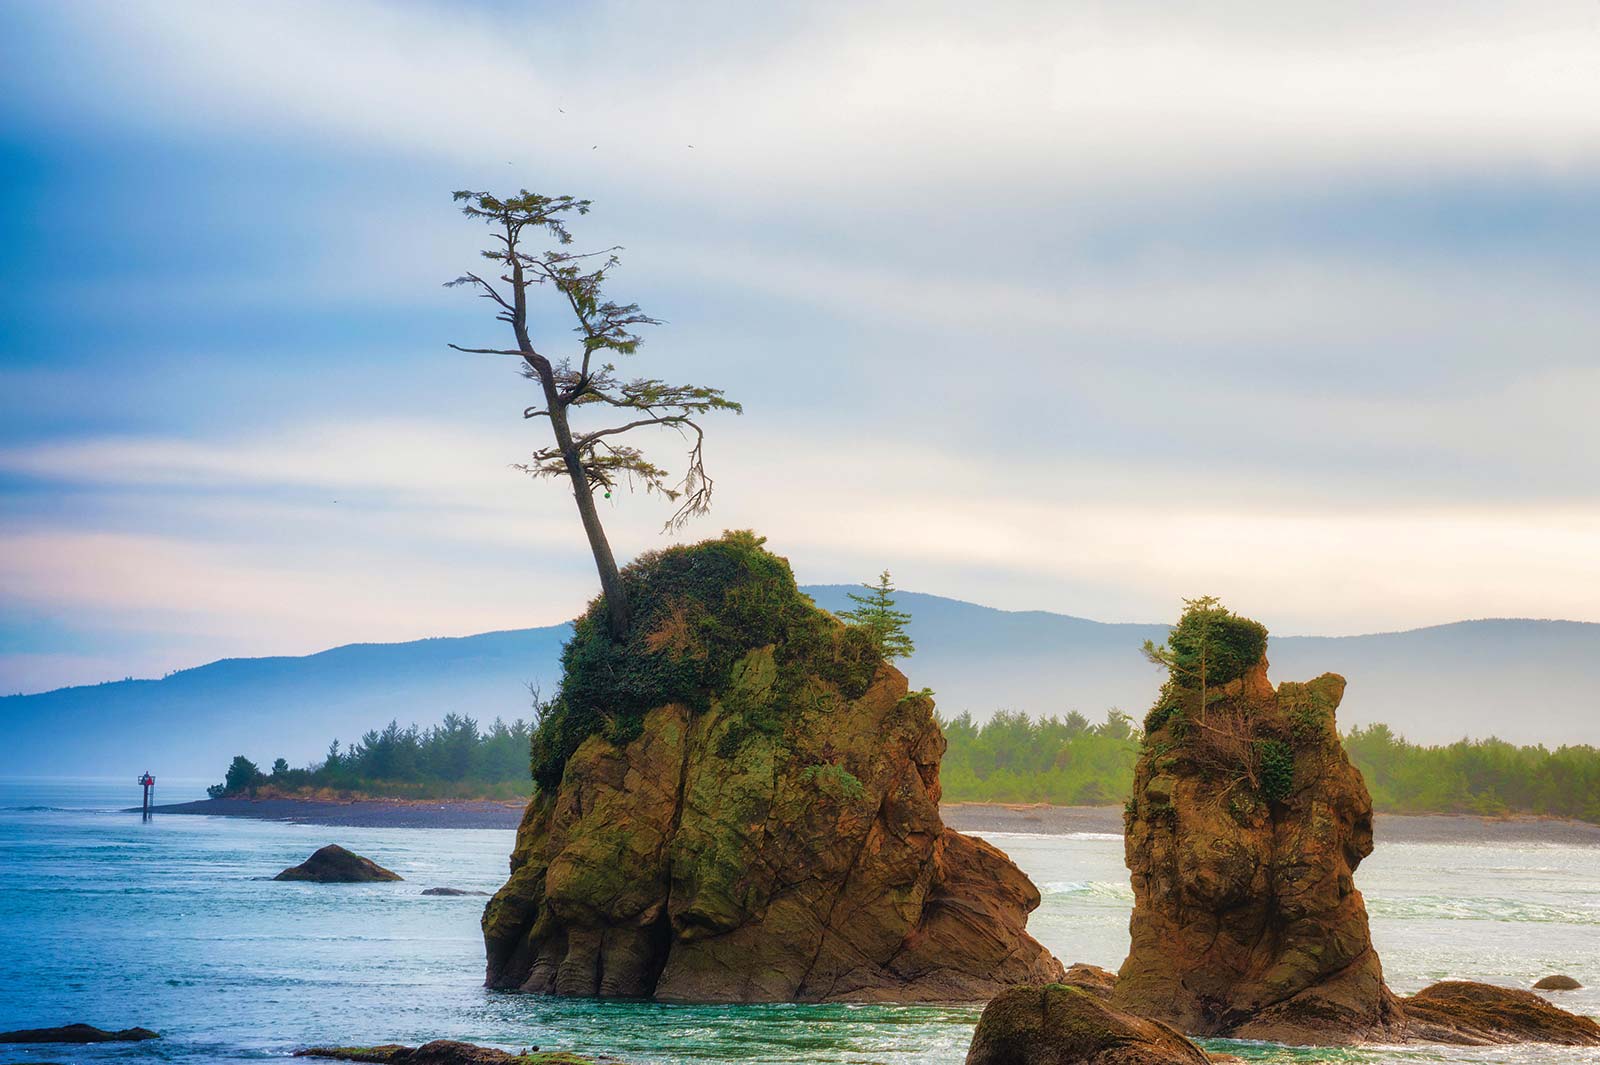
(885, 625)
(1209, 647)
(454, 759)
(598, 458)
(1016, 758)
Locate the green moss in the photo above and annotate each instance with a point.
(1277, 769)
(835, 781)
(697, 611)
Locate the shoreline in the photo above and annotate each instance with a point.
(970, 817)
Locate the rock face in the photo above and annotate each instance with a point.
(1244, 832)
(1460, 1012)
(1243, 836)
(77, 1033)
(335, 865)
(771, 833)
(1063, 1025)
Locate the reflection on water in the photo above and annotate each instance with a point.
(110, 921)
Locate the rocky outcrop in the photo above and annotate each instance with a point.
(1243, 836)
(451, 891)
(1472, 1014)
(448, 1052)
(1065, 1025)
(1557, 983)
(769, 833)
(335, 865)
(78, 1033)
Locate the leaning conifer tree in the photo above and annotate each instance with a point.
(597, 458)
(875, 612)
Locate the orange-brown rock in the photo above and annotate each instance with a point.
(1244, 832)
(781, 842)
(1243, 836)
(1065, 1025)
(1461, 1012)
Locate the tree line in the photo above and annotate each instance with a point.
(453, 759)
(1012, 757)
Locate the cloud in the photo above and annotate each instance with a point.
(865, 100)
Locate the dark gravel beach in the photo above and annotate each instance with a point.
(1388, 828)
(363, 813)
(965, 817)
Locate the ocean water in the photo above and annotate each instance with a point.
(169, 925)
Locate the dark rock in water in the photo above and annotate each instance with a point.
(1472, 1014)
(1557, 983)
(451, 891)
(1247, 825)
(446, 1052)
(1063, 1025)
(761, 826)
(77, 1033)
(335, 865)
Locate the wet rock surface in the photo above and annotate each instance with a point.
(77, 1033)
(335, 865)
(1064, 1025)
(448, 1052)
(1467, 1013)
(1557, 983)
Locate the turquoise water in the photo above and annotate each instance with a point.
(107, 920)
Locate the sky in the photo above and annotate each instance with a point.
(1078, 306)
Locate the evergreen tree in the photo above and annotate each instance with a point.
(591, 459)
(875, 612)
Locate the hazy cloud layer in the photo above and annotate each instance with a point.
(1081, 307)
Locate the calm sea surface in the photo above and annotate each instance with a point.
(169, 925)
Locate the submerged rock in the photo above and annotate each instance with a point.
(1557, 983)
(452, 891)
(1065, 1025)
(747, 810)
(78, 1033)
(446, 1052)
(1461, 1012)
(335, 865)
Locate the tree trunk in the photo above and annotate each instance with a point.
(604, 561)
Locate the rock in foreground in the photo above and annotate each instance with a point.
(335, 865)
(1065, 1025)
(77, 1033)
(446, 1052)
(740, 803)
(1472, 1014)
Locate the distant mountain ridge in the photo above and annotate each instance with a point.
(1526, 681)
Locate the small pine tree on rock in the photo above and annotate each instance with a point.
(875, 612)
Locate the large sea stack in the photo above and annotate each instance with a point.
(1244, 832)
(740, 803)
(1245, 828)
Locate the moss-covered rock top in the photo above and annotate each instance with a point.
(697, 611)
